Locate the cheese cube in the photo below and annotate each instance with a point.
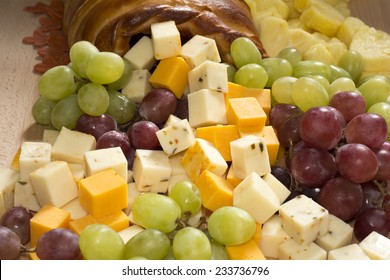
(246, 251)
(201, 156)
(292, 250)
(256, 197)
(176, 138)
(75, 209)
(132, 193)
(151, 171)
(210, 103)
(141, 54)
(138, 85)
(232, 178)
(117, 221)
(249, 154)
(177, 168)
(78, 225)
(279, 189)
(32, 156)
(47, 218)
(258, 233)
(8, 179)
(200, 49)
(348, 252)
(102, 159)
(171, 120)
(166, 39)
(215, 191)
(50, 136)
(71, 145)
(129, 232)
(24, 196)
(54, 184)
(376, 246)
(103, 193)
(304, 219)
(209, 75)
(339, 234)
(171, 73)
(272, 235)
(245, 112)
(78, 170)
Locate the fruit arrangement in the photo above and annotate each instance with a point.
(280, 157)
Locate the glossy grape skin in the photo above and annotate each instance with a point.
(125, 78)
(244, 51)
(66, 112)
(9, 244)
(218, 251)
(383, 157)
(182, 108)
(121, 108)
(41, 110)
(338, 72)
(340, 85)
(281, 90)
(374, 91)
(93, 99)
(252, 76)
(341, 198)
(288, 132)
(369, 220)
(191, 243)
(352, 62)
(276, 67)
(280, 113)
(307, 93)
(58, 244)
(80, 53)
(18, 220)
(311, 67)
(349, 103)
(142, 135)
(283, 175)
(187, 195)
(95, 125)
(114, 138)
(292, 55)
(105, 68)
(372, 196)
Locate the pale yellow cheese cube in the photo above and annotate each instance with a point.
(8, 179)
(209, 75)
(24, 196)
(376, 246)
(272, 235)
(348, 252)
(200, 49)
(75, 209)
(292, 250)
(32, 156)
(279, 189)
(138, 85)
(141, 54)
(166, 39)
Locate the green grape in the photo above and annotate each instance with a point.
(381, 109)
(321, 79)
(57, 83)
(105, 68)
(65, 113)
(244, 51)
(187, 195)
(341, 84)
(80, 53)
(293, 55)
(41, 110)
(231, 225)
(276, 67)
(338, 72)
(191, 244)
(281, 90)
(308, 92)
(311, 67)
(218, 251)
(100, 242)
(93, 99)
(375, 90)
(231, 71)
(151, 244)
(251, 76)
(152, 210)
(352, 62)
(373, 76)
(121, 108)
(125, 78)
(137, 259)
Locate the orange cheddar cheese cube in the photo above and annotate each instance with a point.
(215, 191)
(117, 221)
(246, 251)
(232, 178)
(103, 193)
(47, 218)
(220, 136)
(171, 73)
(244, 112)
(78, 225)
(257, 236)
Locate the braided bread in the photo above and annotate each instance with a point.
(111, 25)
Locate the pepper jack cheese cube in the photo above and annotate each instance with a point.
(103, 193)
(32, 156)
(279, 189)
(249, 154)
(272, 235)
(24, 196)
(151, 170)
(245, 112)
(209, 75)
(201, 156)
(166, 39)
(102, 159)
(376, 246)
(292, 250)
(256, 197)
(8, 179)
(176, 137)
(206, 107)
(348, 252)
(304, 219)
(54, 184)
(200, 49)
(141, 54)
(246, 251)
(138, 85)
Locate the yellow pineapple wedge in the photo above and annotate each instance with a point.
(349, 28)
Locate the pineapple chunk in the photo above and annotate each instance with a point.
(277, 7)
(273, 34)
(349, 28)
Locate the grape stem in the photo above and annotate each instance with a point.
(382, 187)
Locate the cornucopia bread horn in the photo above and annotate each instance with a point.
(111, 24)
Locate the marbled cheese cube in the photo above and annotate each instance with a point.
(256, 197)
(348, 252)
(32, 156)
(54, 184)
(279, 189)
(376, 246)
(166, 39)
(272, 235)
(209, 75)
(151, 170)
(200, 49)
(138, 85)
(141, 54)
(292, 250)
(304, 219)
(249, 154)
(24, 196)
(176, 137)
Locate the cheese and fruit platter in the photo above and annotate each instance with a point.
(195, 130)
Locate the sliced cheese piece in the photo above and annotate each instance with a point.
(209, 75)
(348, 252)
(272, 235)
(279, 189)
(292, 250)
(166, 39)
(24, 196)
(141, 54)
(246, 251)
(200, 49)
(138, 85)
(376, 246)
(32, 156)
(8, 179)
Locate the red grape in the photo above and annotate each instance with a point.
(114, 138)
(9, 244)
(349, 103)
(383, 157)
(142, 135)
(280, 113)
(18, 220)
(95, 125)
(283, 175)
(182, 108)
(288, 132)
(369, 220)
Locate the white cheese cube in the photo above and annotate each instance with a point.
(102, 159)
(132, 220)
(8, 179)
(272, 235)
(206, 107)
(50, 136)
(71, 145)
(138, 85)
(200, 49)
(279, 189)
(209, 75)
(75, 209)
(24, 196)
(132, 193)
(256, 197)
(77, 170)
(292, 250)
(129, 232)
(176, 137)
(166, 39)
(151, 171)
(304, 219)
(376, 246)
(171, 120)
(177, 168)
(175, 179)
(141, 54)
(249, 154)
(339, 234)
(54, 184)
(32, 156)
(348, 252)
